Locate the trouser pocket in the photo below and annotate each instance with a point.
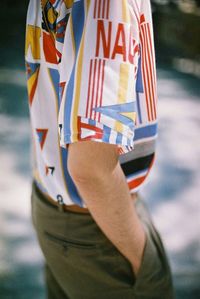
(154, 279)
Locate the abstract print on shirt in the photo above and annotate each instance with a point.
(90, 76)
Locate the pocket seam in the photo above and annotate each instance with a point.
(69, 242)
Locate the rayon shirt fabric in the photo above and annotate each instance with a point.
(90, 76)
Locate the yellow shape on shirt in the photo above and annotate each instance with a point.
(51, 16)
(122, 91)
(131, 115)
(69, 3)
(33, 34)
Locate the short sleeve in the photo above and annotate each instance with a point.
(98, 74)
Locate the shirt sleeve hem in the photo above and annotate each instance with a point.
(125, 145)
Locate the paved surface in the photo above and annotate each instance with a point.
(172, 190)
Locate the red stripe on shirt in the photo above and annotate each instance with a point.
(93, 87)
(91, 127)
(137, 181)
(148, 72)
(108, 9)
(97, 87)
(95, 9)
(79, 127)
(103, 9)
(99, 9)
(151, 65)
(98, 131)
(151, 71)
(102, 84)
(89, 88)
(144, 74)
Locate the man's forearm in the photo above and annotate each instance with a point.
(110, 203)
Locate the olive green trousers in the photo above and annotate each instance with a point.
(82, 263)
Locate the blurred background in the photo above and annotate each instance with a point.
(172, 191)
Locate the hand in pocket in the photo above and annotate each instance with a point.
(139, 253)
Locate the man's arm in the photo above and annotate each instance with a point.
(97, 174)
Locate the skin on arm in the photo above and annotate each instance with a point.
(97, 174)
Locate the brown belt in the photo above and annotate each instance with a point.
(73, 208)
(64, 207)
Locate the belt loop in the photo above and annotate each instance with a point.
(60, 203)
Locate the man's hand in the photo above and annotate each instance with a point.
(97, 174)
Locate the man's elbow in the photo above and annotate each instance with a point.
(91, 161)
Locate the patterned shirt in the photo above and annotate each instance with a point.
(91, 76)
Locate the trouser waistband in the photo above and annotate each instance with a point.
(62, 206)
